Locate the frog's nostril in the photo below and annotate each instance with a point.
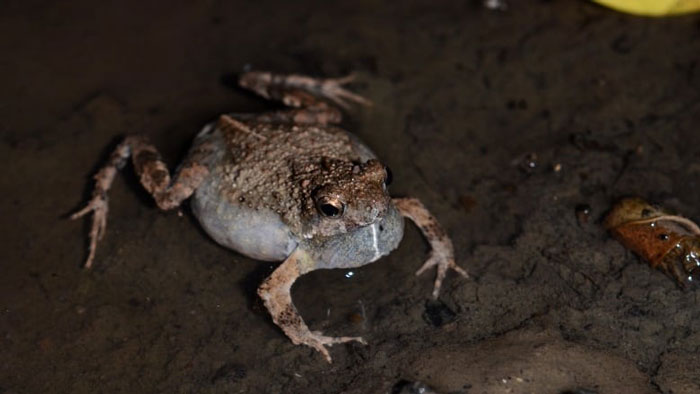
(381, 228)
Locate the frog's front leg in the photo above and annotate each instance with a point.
(154, 177)
(276, 294)
(442, 254)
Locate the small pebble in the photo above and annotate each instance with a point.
(583, 213)
(467, 202)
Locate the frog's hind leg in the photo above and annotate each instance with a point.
(442, 253)
(301, 91)
(154, 177)
(309, 96)
(276, 294)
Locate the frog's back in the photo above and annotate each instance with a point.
(253, 199)
(269, 165)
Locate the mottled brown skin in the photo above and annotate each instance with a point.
(290, 164)
(270, 167)
(668, 242)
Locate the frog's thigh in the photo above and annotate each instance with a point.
(155, 178)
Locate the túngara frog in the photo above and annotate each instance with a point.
(283, 186)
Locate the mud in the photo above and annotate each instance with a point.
(503, 124)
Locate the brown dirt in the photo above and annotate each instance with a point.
(473, 111)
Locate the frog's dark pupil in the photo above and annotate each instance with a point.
(389, 176)
(329, 210)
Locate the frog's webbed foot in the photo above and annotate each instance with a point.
(276, 294)
(332, 89)
(442, 254)
(318, 341)
(98, 206)
(444, 261)
(309, 95)
(154, 177)
(98, 202)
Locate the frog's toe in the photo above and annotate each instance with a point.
(333, 340)
(344, 80)
(332, 89)
(98, 206)
(443, 262)
(318, 341)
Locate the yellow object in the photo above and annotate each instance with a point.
(652, 7)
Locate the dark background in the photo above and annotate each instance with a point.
(465, 99)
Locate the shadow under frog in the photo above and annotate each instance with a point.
(283, 186)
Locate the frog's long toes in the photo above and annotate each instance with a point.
(459, 270)
(346, 94)
(333, 90)
(338, 93)
(443, 264)
(344, 80)
(101, 218)
(321, 348)
(98, 207)
(351, 339)
(318, 336)
(431, 262)
(319, 342)
(87, 209)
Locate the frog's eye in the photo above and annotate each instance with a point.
(389, 176)
(330, 207)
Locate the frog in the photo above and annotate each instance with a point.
(286, 185)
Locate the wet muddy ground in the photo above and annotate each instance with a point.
(502, 123)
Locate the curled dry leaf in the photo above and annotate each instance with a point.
(668, 242)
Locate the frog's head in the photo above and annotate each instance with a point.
(350, 198)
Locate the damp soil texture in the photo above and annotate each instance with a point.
(518, 129)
